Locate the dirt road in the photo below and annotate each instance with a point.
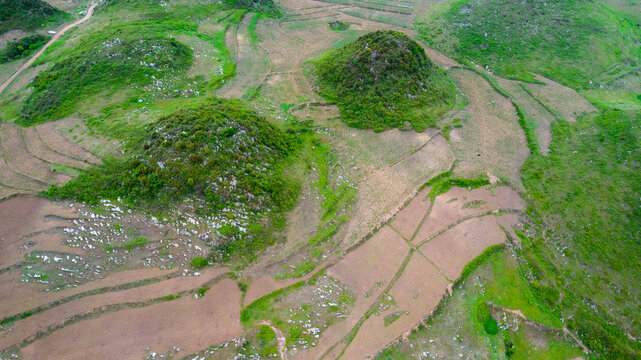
(55, 37)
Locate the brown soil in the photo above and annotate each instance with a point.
(18, 297)
(439, 59)
(25, 328)
(41, 151)
(418, 291)
(20, 160)
(20, 217)
(532, 109)
(11, 179)
(453, 249)
(187, 323)
(491, 138)
(264, 285)
(367, 270)
(56, 142)
(408, 219)
(565, 101)
(381, 195)
(448, 208)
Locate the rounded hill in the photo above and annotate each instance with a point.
(384, 79)
(220, 159)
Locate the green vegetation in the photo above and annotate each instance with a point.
(464, 323)
(222, 156)
(28, 15)
(268, 7)
(199, 262)
(134, 243)
(578, 43)
(443, 182)
(586, 244)
(338, 26)
(131, 54)
(383, 80)
(22, 48)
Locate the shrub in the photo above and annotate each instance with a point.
(22, 48)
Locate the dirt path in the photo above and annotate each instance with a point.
(282, 347)
(55, 37)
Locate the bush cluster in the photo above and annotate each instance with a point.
(22, 48)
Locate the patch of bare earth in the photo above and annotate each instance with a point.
(187, 323)
(416, 293)
(566, 102)
(533, 111)
(491, 138)
(366, 270)
(408, 219)
(44, 153)
(458, 203)
(52, 138)
(381, 195)
(43, 321)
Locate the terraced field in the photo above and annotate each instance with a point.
(387, 228)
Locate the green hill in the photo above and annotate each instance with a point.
(222, 159)
(130, 55)
(383, 80)
(28, 15)
(580, 43)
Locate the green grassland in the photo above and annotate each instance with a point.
(581, 44)
(222, 156)
(586, 241)
(383, 80)
(28, 15)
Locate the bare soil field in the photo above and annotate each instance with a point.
(44, 153)
(533, 110)
(252, 66)
(23, 329)
(458, 203)
(21, 297)
(562, 100)
(479, 146)
(408, 219)
(453, 249)
(381, 195)
(416, 293)
(52, 138)
(187, 323)
(20, 160)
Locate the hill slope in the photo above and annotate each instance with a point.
(551, 38)
(221, 159)
(382, 80)
(27, 14)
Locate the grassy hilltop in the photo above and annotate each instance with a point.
(383, 80)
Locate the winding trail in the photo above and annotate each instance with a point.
(282, 340)
(55, 37)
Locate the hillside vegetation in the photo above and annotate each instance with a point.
(28, 15)
(124, 55)
(222, 158)
(22, 48)
(588, 241)
(581, 44)
(382, 80)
